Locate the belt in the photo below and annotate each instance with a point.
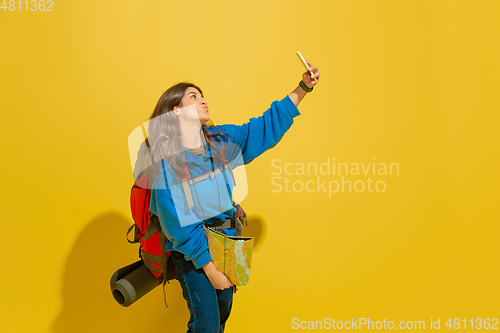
(226, 224)
(230, 223)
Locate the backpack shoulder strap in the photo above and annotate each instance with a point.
(164, 258)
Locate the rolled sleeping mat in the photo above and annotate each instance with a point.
(131, 282)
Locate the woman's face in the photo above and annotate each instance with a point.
(194, 106)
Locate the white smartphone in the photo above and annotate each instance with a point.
(301, 58)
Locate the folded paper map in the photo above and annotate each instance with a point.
(231, 255)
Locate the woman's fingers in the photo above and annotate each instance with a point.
(222, 281)
(313, 71)
(311, 79)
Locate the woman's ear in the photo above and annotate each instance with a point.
(177, 113)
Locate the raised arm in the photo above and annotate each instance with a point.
(264, 132)
(310, 81)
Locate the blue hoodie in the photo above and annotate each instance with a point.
(182, 225)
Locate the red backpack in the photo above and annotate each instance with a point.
(147, 232)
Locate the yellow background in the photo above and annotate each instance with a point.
(409, 82)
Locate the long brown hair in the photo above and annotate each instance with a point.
(164, 136)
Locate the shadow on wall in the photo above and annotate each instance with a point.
(87, 302)
(256, 228)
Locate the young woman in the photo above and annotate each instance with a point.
(183, 146)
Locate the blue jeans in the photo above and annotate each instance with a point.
(209, 307)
